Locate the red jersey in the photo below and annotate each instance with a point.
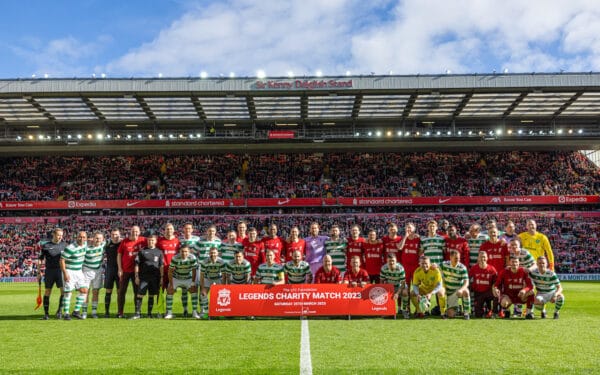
(410, 254)
(331, 277)
(353, 249)
(240, 239)
(129, 250)
(362, 276)
(390, 245)
(254, 253)
(482, 279)
(169, 248)
(497, 253)
(461, 245)
(373, 253)
(275, 244)
(511, 283)
(290, 247)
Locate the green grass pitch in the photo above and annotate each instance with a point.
(338, 346)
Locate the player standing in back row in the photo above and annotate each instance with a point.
(335, 247)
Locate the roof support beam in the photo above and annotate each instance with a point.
(198, 108)
(93, 108)
(409, 105)
(251, 107)
(145, 107)
(40, 108)
(514, 104)
(567, 104)
(463, 103)
(357, 104)
(304, 107)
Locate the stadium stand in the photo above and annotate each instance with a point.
(297, 175)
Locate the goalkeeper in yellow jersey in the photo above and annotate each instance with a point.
(426, 282)
(536, 243)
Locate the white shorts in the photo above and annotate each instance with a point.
(545, 297)
(93, 278)
(76, 281)
(452, 300)
(209, 282)
(184, 284)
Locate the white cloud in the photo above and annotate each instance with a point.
(63, 57)
(430, 36)
(416, 36)
(243, 36)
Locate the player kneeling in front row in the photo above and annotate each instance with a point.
(211, 273)
(356, 276)
(328, 273)
(426, 282)
(269, 273)
(182, 273)
(456, 281)
(393, 273)
(548, 287)
(148, 275)
(514, 286)
(483, 276)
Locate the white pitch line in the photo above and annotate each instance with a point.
(305, 360)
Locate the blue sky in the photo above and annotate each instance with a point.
(131, 38)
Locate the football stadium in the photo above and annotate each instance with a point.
(300, 187)
(374, 175)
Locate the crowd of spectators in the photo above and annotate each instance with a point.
(297, 175)
(574, 235)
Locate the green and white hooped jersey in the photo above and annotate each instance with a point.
(228, 250)
(192, 243)
(433, 247)
(297, 274)
(212, 271)
(547, 282)
(269, 274)
(337, 251)
(525, 259)
(454, 277)
(204, 247)
(395, 277)
(238, 273)
(73, 256)
(182, 268)
(94, 256)
(474, 245)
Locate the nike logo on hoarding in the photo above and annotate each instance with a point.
(131, 204)
(444, 200)
(280, 203)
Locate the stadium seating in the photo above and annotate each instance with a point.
(297, 175)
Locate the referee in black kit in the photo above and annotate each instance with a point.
(50, 255)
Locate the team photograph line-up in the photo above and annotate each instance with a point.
(483, 274)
